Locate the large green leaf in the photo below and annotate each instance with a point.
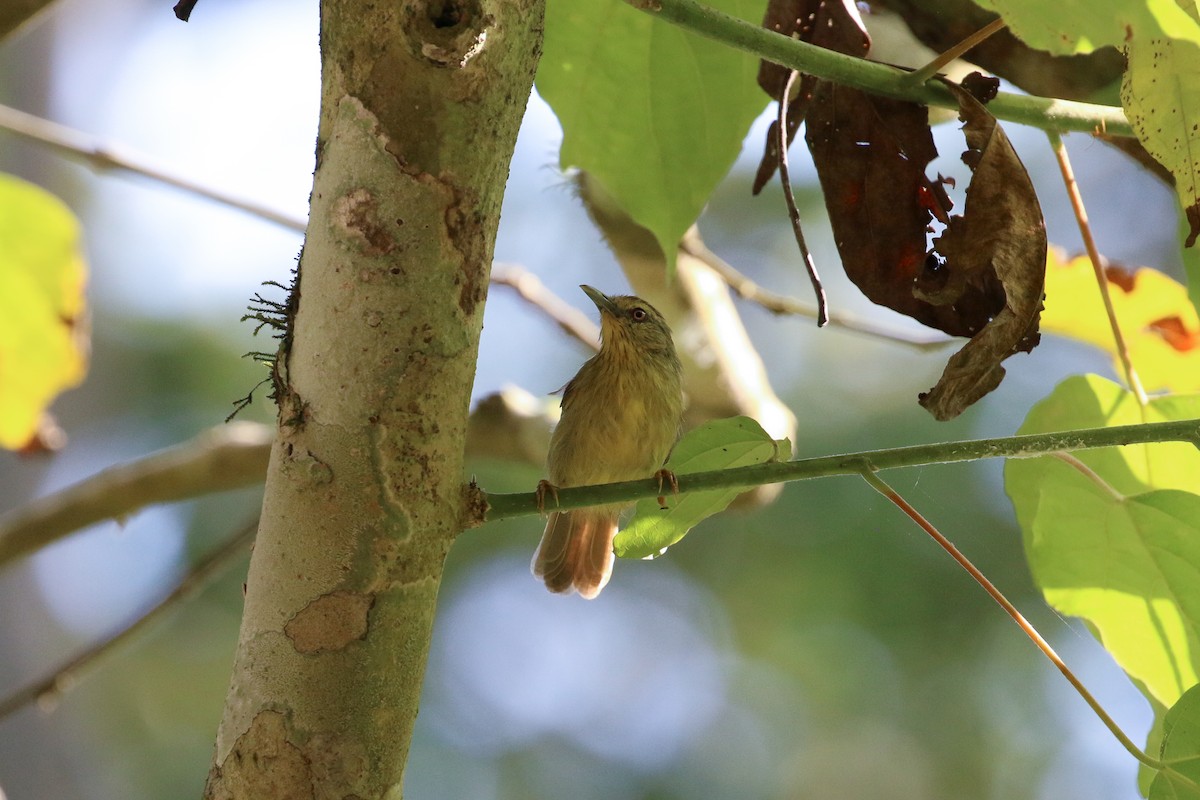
(1080, 26)
(1117, 542)
(1119, 547)
(1180, 750)
(721, 444)
(1161, 95)
(655, 114)
(1130, 566)
(1089, 401)
(42, 341)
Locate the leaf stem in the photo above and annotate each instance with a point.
(1089, 473)
(490, 507)
(1089, 242)
(869, 76)
(960, 49)
(887, 491)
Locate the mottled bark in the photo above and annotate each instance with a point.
(15, 13)
(421, 102)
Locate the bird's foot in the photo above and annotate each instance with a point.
(543, 488)
(667, 477)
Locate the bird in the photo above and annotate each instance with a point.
(621, 416)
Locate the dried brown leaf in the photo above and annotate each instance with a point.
(871, 154)
(999, 240)
(832, 24)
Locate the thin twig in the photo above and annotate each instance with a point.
(958, 50)
(531, 289)
(1085, 229)
(104, 157)
(869, 76)
(747, 289)
(47, 691)
(222, 458)
(793, 211)
(504, 506)
(887, 491)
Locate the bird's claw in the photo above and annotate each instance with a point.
(543, 487)
(668, 477)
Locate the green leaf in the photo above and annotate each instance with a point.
(655, 114)
(1080, 26)
(721, 444)
(1180, 750)
(1119, 548)
(1089, 401)
(1161, 95)
(1146, 773)
(43, 345)
(1131, 568)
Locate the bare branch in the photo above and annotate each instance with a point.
(103, 157)
(222, 458)
(510, 424)
(529, 288)
(50, 689)
(747, 289)
(505, 506)
(1048, 113)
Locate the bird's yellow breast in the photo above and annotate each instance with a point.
(620, 419)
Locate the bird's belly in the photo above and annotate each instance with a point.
(618, 441)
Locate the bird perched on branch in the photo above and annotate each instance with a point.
(620, 418)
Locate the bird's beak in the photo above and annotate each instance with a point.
(602, 301)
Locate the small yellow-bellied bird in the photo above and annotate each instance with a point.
(620, 418)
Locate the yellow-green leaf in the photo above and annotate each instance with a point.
(1157, 319)
(1161, 95)
(43, 349)
(655, 114)
(1114, 536)
(1180, 751)
(1128, 565)
(1080, 26)
(720, 444)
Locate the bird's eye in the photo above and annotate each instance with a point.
(638, 314)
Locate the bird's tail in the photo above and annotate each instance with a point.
(576, 551)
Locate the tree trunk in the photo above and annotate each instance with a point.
(420, 105)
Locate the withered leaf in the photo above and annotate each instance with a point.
(1000, 240)
(871, 154)
(832, 24)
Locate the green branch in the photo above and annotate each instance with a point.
(1040, 112)
(504, 506)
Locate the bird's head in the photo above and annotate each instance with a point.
(628, 322)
